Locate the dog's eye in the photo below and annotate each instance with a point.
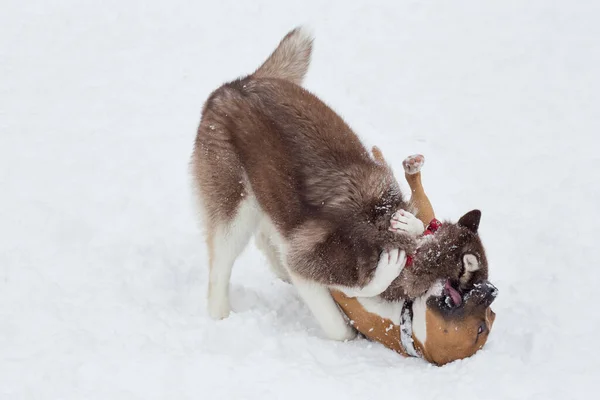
(481, 329)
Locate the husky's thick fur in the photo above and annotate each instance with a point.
(273, 160)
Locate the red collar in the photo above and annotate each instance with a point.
(432, 228)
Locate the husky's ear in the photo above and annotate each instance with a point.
(378, 155)
(471, 220)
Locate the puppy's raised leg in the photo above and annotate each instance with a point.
(412, 172)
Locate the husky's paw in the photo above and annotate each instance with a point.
(340, 333)
(412, 164)
(403, 221)
(218, 308)
(389, 267)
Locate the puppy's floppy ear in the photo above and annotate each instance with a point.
(471, 220)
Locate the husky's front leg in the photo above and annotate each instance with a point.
(321, 304)
(355, 256)
(319, 300)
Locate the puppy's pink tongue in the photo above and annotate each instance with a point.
(456, 297)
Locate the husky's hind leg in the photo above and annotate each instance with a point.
(226, 240)
(229, 208)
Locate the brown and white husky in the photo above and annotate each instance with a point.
(272, 160)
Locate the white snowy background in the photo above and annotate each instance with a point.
(102, 266)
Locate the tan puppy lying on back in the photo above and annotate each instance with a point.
(447, 335)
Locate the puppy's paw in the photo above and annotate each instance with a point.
(403, 221)
(412, 164)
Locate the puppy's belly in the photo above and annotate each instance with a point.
(384, 309)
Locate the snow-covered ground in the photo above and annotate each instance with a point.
(102, 267)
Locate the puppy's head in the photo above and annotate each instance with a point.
(452, 314)
(444, 329)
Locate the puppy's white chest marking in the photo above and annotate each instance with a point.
(419, 322)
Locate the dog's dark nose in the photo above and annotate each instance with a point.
(483, 293)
